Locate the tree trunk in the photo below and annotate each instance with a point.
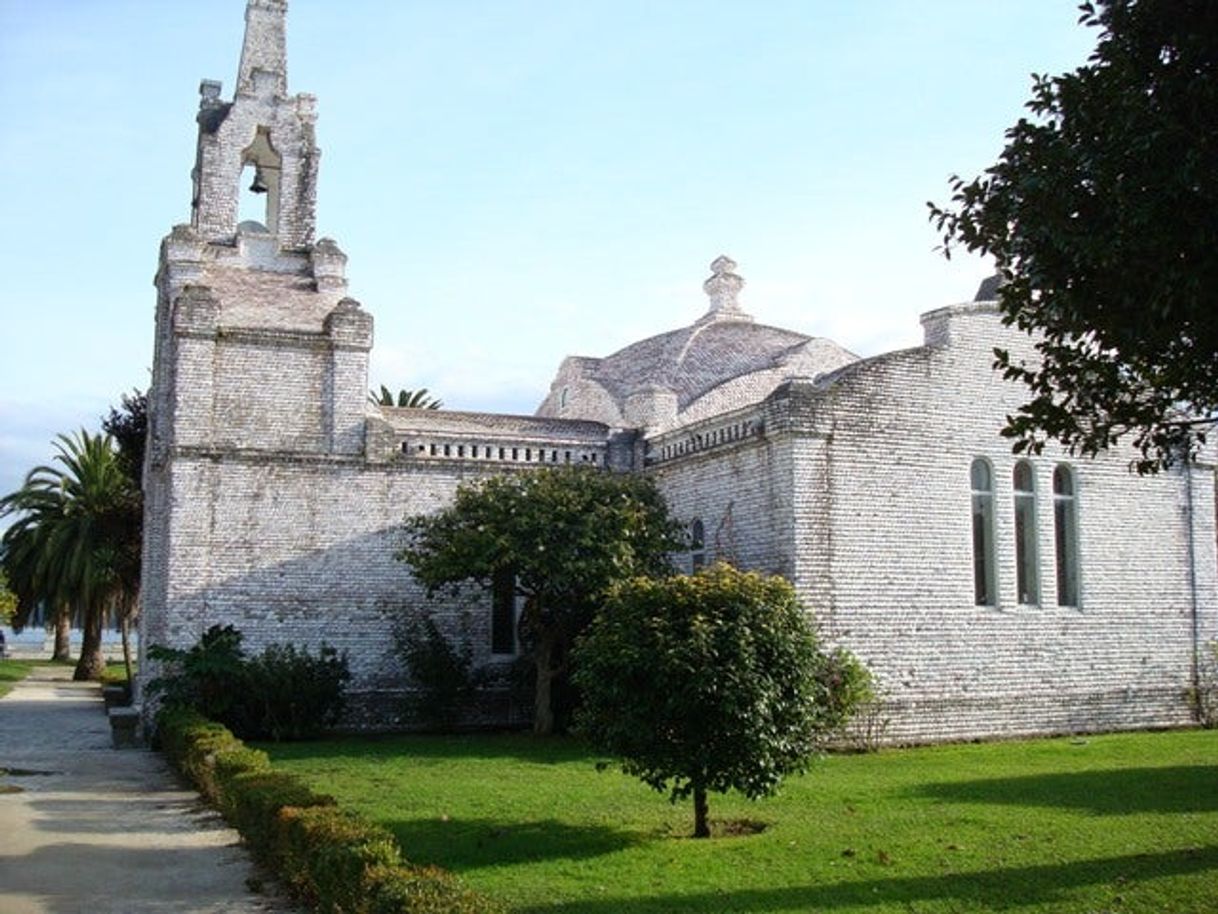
(701, 826)
(126, 627)
(63, 636)
(91, 664)
(543, 713)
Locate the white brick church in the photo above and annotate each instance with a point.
(989, 594)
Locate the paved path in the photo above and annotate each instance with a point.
(90, 829)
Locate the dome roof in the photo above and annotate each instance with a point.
(722, 361)
(696, 359)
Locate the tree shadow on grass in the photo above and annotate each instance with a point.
(464, 844)
(439, 749)
(986, 890)
(1177, 789)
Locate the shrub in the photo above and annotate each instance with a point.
(422, 890)
(851, 707)
(326, 856)
(283, 693)
(332, 859)
(206, 677)
(290, 694)
(1204, 695)
(253, 800)
(440, 671)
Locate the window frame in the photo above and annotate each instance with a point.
(1026, 526)
(697, 545)
(504, 598)
(985, 553)
(1068, 571)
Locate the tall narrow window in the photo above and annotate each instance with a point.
(503, 613)
(1026, 576)
(1065, 534)
(697, 545)
(984, 591)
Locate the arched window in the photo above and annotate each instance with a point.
(984, 591)
(1065, 534)
(697, 544)
(1027, 585)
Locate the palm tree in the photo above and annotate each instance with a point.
(76, 539)
(407, 399)
(22, 556)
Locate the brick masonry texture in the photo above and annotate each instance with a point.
(276, 491)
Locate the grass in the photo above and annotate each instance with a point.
(1119, 823)
(13, 671)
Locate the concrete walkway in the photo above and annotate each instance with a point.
(91, 829)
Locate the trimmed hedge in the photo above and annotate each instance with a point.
(334, 860)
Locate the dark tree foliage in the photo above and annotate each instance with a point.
(563, 535)
(284, 693)
(1102, 216)
(128, 426)
(705, 683)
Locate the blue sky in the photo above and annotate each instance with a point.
(512, 181)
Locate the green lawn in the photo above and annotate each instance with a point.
(12, 671)
(1123, 823)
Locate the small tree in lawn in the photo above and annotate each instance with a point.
(563, 535)
(704, 683)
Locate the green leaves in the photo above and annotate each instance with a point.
(565, 533)
(76, 535)
(1102, 216)
(712, 681)
(406, 399)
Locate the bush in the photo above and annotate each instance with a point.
(852, 709)
(326, 856)
(283, 693)
(440, 671)
(422, 890)
(336, 861)
(252, 802)
(206, 677)
(1204, 695)
(292, 694)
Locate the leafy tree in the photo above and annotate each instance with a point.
(8, 600)
(1102, 215)
(128, 426)
(21, 558)
(408, 399)
(71, 542)
(24, 557)
(562, 535)
(701, 683)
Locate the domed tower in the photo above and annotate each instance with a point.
(722, 361)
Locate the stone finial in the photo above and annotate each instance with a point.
(722, 287)
(209, 92)
(264, 59)
(329, 266)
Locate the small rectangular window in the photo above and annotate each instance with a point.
(503, 613)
